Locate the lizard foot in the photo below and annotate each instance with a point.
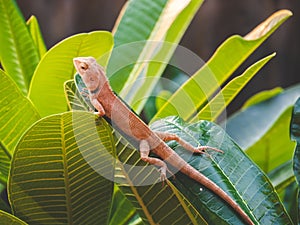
(202, 149)
(163, 173)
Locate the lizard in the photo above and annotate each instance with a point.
(109, 105)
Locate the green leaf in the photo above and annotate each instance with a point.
(262, 96)
(228, 57)
(74, 98)
(134, 25)
(263, 129)
(268, 151)
(282, 176)
(8, 219)
(215, 107)
(56, 67)
(16, 113)
(18, 54)
(161, 98)
(62, 171)
(122, 210)
(232, 171)
(36, 35)
(291, 200)
(5, 158)
(137, 14)
(145, 44)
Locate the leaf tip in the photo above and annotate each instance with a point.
(270, 23)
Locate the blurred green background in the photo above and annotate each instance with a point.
(215, 21)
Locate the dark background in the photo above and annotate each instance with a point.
(215, 21)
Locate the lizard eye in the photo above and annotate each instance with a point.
(84, 66)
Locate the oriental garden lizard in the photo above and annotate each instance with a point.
(109, 105)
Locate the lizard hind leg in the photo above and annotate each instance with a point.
(144, 152)
(173, 137)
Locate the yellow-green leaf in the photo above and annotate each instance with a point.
(16, 113)
(18, 54)
(228, 57)
(56, 67)
(146, 35)
(8, 219)
(262, 129)
(36, 35)
(262, 96)
(215, 106)
(62, 171)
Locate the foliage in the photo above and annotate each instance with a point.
(295, 123)
(268, 133)
(59, 162)
(265, 138)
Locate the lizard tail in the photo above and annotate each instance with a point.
(200, 178)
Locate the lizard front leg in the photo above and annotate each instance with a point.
(173, 137)
(98, 106)
(144, 152)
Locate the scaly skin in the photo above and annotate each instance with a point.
(108, 104)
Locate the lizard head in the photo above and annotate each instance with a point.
(84, 64)
(91, 72)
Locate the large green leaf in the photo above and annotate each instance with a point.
(215, 107)
(282, 176)
(232, 171)
(36, 35)
(74, 98)
(204, 83)
(263, 129)
(146, 35)
(122, 211)
(16, 112)
(18, 54)
(62, 171)
(274, 148)
(291, 200)
(262, 96)
(8, 219)
(134, 25)
(56, 67)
